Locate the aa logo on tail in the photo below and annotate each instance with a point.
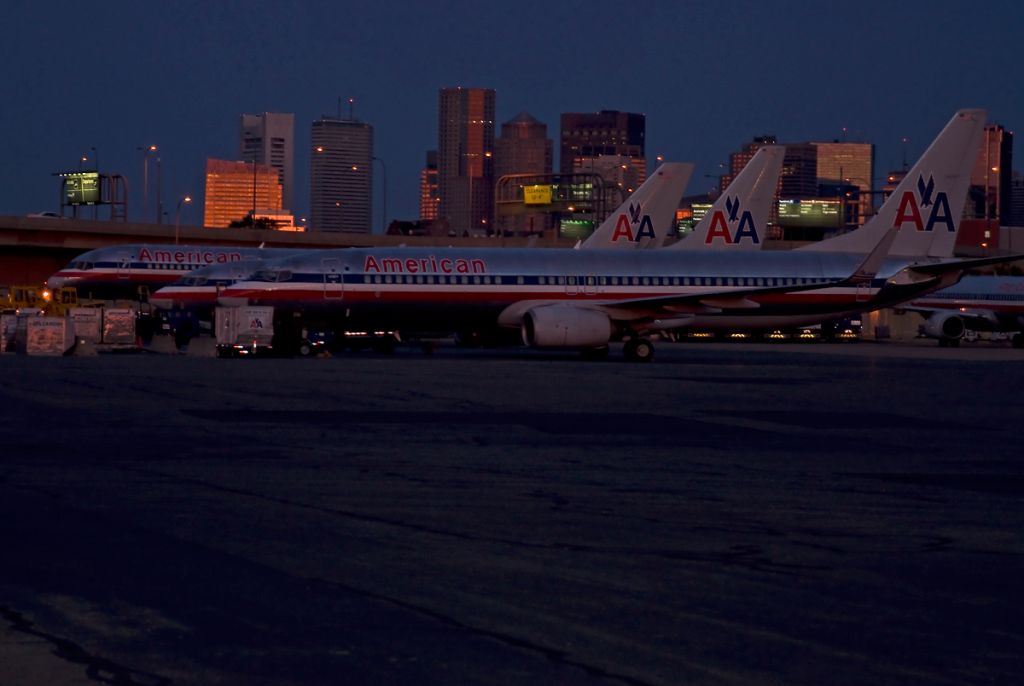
(910, 210)
(624, 225)
(720, 225)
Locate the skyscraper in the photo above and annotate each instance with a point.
(523, 148)
(991, 176)
(799, 176)
(848, 164)
(341, 175)
(1016, 217)
(269, 139)
(430, 197)
(587, 136)
(465, 163)
(235, 189)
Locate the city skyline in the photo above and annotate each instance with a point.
(174, 76)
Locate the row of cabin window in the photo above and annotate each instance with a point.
(161, 266)
(175, 267)
(594, 280)
(430, 279)
(976, 296)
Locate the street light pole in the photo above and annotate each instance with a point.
(145, 178)
(159, 203)
(177, 216)
(383, 196)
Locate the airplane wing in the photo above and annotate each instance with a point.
(676, 310)
(946, 266)
(713, 301)
(740, 298)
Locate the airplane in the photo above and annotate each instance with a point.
(978, 303)
(122, 271)
(738, 219)
(583, 299)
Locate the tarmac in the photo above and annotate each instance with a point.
(729, 514)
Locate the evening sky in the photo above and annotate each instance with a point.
(116, 75)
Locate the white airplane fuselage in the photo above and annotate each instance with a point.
(450, 288)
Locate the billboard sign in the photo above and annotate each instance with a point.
(81, 188)
(575, 228)
(537, 195)
(811, 213)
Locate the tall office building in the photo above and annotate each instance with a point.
(587, 136)
(341, 176)
(430, 195)
(799, 176)
(1016, 217)
(465, 163)
(848, 164)
(235, 189)
(991, 177)
(523, 148)
(269, 138)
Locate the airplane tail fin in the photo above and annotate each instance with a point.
(644, 218)
(739, 218)
(928, 203)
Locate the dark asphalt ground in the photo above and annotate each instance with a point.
(730, 514)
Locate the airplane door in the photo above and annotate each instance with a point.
(334, 284)
(863, 292)
(580, 285)
(124, 263)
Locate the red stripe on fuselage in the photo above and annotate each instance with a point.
(448, 295)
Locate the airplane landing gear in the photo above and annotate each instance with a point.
(639, 350)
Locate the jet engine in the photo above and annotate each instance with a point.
(945, 325)
(565, 326)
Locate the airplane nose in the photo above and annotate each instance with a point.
(56, 281)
